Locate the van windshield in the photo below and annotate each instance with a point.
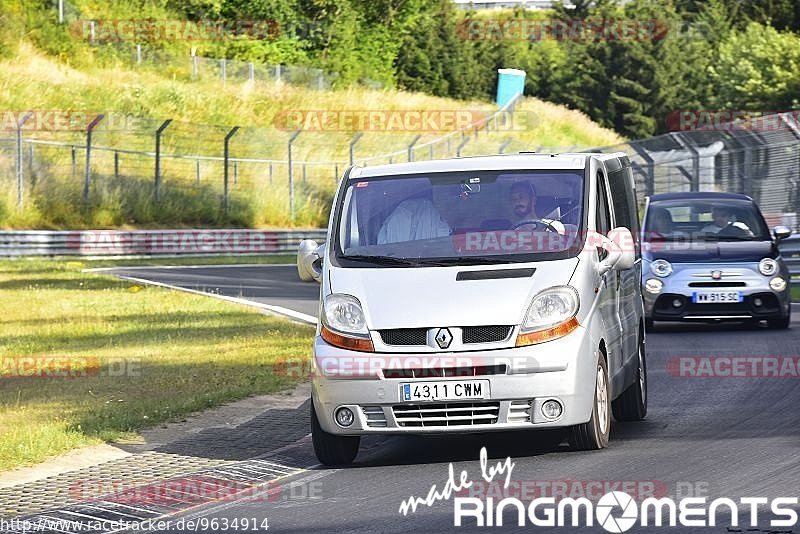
(461, 218)
(704, 219)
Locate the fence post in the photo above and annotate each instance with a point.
(411, 148)
(320, 81)
(270, 172)
(504, 145)
(225, 198)
(194, 66)
(291, 174)
(116, 164)
(160, 130)
(88, 171)
(353, 142)
(61, 11)
(252, 72)
(19, 169)
(464, 141)
(197, 172)
(277, 74)
(74, 162)
(138, 54)
(223, 66)
(336, 172)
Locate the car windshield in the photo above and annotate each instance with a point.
(461, 218)
(704, 219)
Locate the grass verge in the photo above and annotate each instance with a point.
(136, 356)
(795, 293)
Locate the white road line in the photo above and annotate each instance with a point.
(279, 310)
(104, 269)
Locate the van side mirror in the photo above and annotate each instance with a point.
(309, 260)
(620, 247)
(781, 232)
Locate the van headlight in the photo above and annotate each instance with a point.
(344, 324)
(550, 315)
(768, 266)
(661, 268)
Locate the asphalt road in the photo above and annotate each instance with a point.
(704, 436)
(275, 285)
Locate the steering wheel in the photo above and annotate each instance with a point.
(537, 224)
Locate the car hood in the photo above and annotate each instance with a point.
(431, 296)
(706, 251)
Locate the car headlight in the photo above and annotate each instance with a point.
(768, 266)
(777, 284)
(654, 285)
(661, 268)
(344, 324)
(550, 315)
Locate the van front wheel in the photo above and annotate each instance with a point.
(593, 434)
(632, 404)
(330, 448)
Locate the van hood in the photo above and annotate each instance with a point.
(706, 251)
(432, 296)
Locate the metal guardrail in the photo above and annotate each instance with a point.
(148, 243)
(790, 250)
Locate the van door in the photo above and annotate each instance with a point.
(625, 213)
(609, 288)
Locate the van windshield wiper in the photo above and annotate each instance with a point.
(468, 260)
(383, 260)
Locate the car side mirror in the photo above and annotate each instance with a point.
(620, 247)
(781, 232)
(309, 260)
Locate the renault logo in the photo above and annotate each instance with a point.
(716, 275)
(443, 338)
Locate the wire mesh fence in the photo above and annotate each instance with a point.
(759, 157)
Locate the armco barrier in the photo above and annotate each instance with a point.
(110, 243)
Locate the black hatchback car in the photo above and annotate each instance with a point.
(709, 257)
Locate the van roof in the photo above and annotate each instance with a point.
(522, 161)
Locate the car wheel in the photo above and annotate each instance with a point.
(782, 322)
(330, 448)
(649, 324)
(632, 404)
(593, 434)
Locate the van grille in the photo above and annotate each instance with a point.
(446, 414)
(470, 335)
(443, 372)
(485, 334)
(405, 336)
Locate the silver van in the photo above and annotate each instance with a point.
(478, 294)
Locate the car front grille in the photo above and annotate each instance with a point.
(470, 335)
(484, 334)
(443, 372)
(717, 284)
(446, 414)
(405, 336)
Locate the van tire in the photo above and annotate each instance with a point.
(632, 404)
(331, 449)
(591, 436)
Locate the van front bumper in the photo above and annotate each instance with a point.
(561, 369)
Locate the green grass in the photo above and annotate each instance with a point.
(203, 113)
(795, 293)
(161, 354)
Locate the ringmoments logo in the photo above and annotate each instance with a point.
(615, 511)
